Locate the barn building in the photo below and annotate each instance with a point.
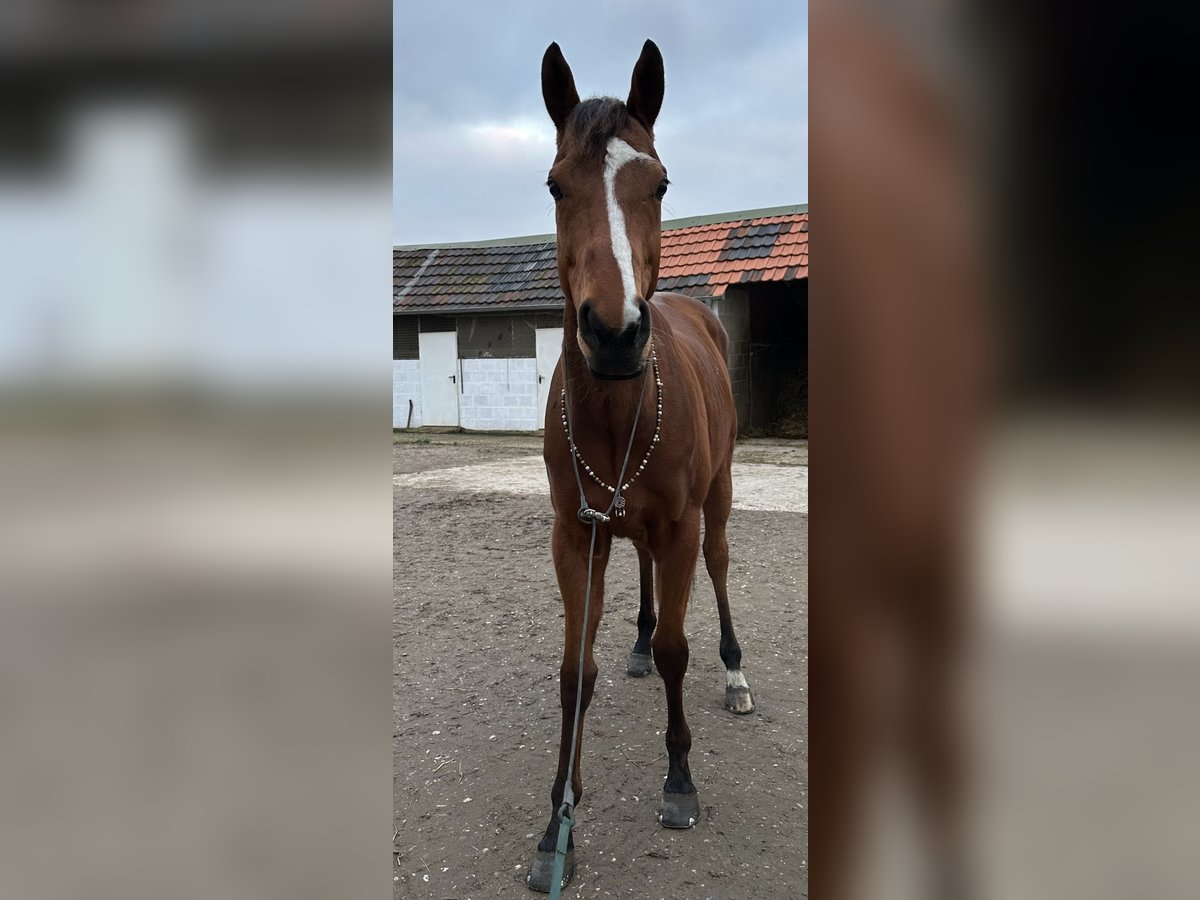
(477, 326)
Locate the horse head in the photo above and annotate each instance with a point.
(607, 183)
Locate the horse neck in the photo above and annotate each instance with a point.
(602, 409)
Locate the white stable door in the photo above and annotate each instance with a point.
(548, 348)
(439, 377)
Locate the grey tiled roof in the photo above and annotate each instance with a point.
(700, 257)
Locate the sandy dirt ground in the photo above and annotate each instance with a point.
(477, 645)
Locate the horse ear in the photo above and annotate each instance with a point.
(646, 88)
(558, 86)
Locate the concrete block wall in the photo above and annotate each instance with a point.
(733, 309)
(406, 385)
(499, 395)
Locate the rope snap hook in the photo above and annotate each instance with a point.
(589, 516)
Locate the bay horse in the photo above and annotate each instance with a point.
(642, 389)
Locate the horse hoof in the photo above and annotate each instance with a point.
(679, 810)
(639, 664)
(542, 870)
(738, 701)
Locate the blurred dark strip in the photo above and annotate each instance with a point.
(1095, 184)
(1005, 454)
(195, 512)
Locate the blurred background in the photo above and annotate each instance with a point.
(195, 223)
(1005, 485)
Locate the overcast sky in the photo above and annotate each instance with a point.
(472, 142)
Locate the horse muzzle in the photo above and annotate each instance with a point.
(614, 355)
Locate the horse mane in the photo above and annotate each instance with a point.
(595, 120)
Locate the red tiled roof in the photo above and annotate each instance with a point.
(698, 258)
(712, 256)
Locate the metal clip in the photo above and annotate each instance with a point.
(587, 516)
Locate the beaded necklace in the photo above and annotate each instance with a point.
(619, 504)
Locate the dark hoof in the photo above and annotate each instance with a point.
(542, 870)
(738, 701)
(639, 664)
(679, 810)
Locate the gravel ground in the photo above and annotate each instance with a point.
(477, 646)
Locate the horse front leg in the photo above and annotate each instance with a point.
(639, 658)
(570, 544)
(676, 556)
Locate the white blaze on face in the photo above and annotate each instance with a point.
(617, 155)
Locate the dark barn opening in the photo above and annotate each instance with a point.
(779, 358)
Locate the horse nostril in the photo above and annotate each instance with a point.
(587, 322)
(643, 319)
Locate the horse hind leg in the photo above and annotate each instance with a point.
(738, 698)
(640, 658)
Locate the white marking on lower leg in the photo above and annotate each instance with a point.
(618, 154)
(735, 679)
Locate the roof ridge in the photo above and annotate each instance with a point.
(667, 225)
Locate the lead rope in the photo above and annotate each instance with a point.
(587, 515)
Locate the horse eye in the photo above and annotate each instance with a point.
(662, 189)
(555, 190)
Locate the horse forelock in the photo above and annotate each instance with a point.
(593, 122)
